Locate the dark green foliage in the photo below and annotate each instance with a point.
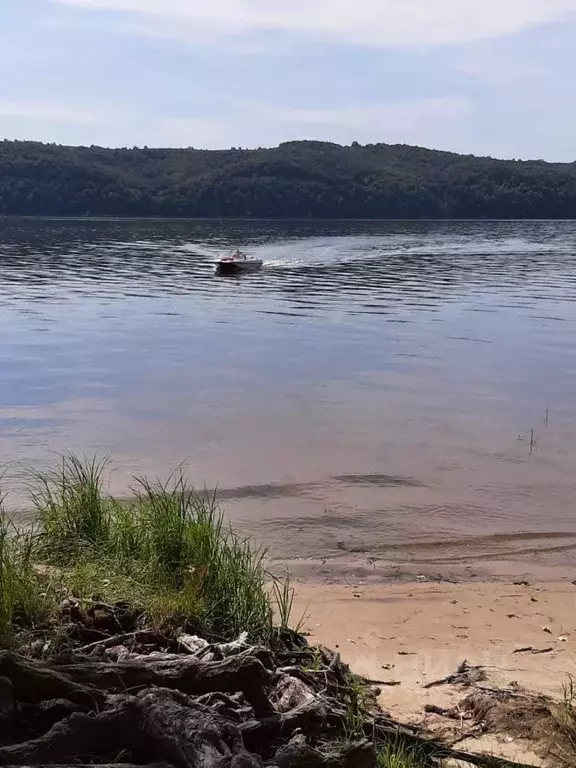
(295, 180)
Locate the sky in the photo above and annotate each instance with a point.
(488, 77)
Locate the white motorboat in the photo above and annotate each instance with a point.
(237, 263)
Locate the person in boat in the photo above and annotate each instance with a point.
(239, 255)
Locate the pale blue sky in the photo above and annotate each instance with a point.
(482, 76)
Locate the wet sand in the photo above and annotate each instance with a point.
(415, 633)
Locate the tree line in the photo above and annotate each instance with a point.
(297, 179)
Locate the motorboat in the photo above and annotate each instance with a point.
(236, 263)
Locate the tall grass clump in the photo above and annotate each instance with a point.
(170, 546)
(72, 509)
(24, 594)
(189, 549)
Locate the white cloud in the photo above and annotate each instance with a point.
(53, 112)
(371, 22)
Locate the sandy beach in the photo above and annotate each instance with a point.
(415, 633)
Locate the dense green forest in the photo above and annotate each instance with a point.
(295, 180)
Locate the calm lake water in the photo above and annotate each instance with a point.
(371, 393)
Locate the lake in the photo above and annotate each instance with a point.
(396, 396)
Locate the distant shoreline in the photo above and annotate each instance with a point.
(297, 180)
(294, 219)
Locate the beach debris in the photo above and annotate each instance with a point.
(388, 667)
(200, 648)
(563, 639)
(292, 692)
(388, 683)
(530, 649)
(407, 653)
(191, 643)
(521, 583)
(513, 616)
(521, 714)
(547, 630)
(452, 712)
(465, 675)
(180, 709)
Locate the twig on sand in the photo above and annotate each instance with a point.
(389, 683)
(464, 675)
(535, 651)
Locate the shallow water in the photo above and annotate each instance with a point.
(372, 390)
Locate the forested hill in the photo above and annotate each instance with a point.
(295, 180)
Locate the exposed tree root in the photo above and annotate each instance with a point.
(227, 706)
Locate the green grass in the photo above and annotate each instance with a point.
(72, 509)
(167, 551)
(392, 758)
(359, 700)
(25, 600)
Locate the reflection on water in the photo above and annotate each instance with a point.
(390, 372)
